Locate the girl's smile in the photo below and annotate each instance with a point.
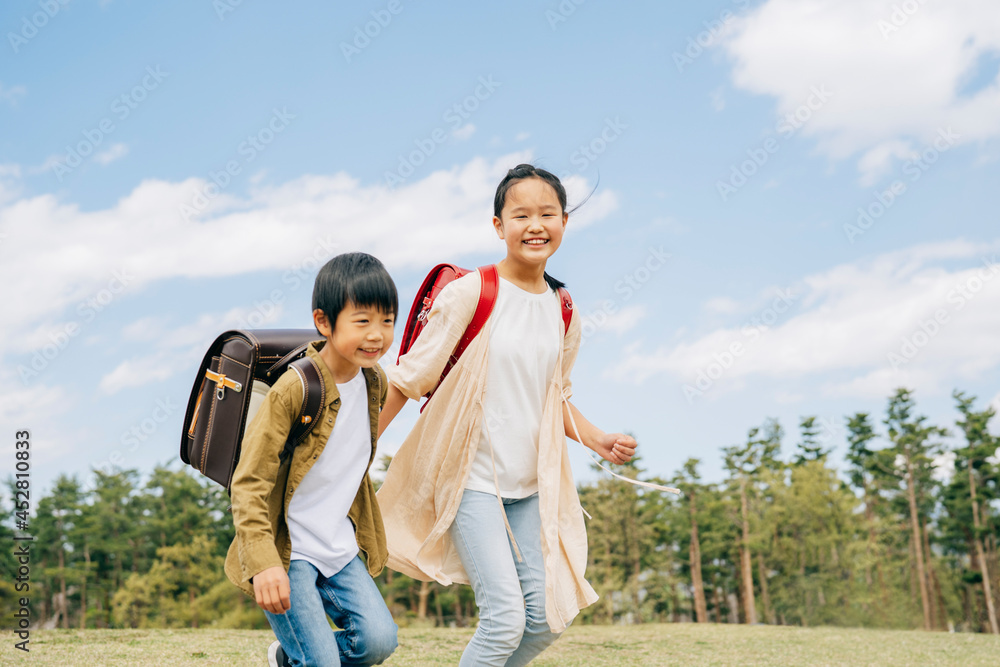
(532, 226)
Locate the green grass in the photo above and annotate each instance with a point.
(590, 646)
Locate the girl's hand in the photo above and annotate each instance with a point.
(616, 448)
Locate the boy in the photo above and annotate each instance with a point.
(301, 522)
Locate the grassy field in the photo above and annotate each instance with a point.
(678, 644)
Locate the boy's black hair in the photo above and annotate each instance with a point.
(355, 277)
(519, 173)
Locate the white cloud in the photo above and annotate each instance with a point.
(145, 329)
(13, 94)
(113, 153)
(78, 255)
(38, 408)
(876, 162)
(891, 89)
(722, 304)
(22, 406)
(521, 136)
(719, 98)
(784, 397)
(944, 467)
(627, 318)
(179, 347)
(599, 205)
(902, 318)
(142, 370)
(47, 165)
(464, 132)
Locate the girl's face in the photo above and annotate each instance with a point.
(532, 222)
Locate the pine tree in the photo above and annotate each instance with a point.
(54, 525)
(911, 456)
(112, 520)
(974, 461)
(745, 464)
(689, 482)
(864, 474)
(810, 446)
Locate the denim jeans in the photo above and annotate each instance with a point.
(510, 595)
(352, 600)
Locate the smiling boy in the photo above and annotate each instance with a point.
(302, 523)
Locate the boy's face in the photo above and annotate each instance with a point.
(358, 339)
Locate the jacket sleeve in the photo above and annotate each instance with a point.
(419, 370)
(571, 347)
(255, 475)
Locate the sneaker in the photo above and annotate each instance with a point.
(276, 656)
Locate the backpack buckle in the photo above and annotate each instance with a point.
(422, 315)
(221, 382)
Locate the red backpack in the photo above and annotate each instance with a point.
(441, 275)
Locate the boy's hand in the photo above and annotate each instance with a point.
(615, 448)
(271, 590)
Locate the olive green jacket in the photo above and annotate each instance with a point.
(262, 485)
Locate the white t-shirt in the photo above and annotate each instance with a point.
(525, 338)
(318, 525)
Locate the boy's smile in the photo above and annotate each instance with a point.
(359, 338)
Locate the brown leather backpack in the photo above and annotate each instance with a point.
(237, 371)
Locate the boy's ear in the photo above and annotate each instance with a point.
(498, 225)
(323, 324)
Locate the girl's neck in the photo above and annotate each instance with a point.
(530, 278)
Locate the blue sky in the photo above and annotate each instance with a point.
(793, 213)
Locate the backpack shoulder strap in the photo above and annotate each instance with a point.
(487, 299)
(567, 308)
(313, 400)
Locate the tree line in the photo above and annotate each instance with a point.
(785, 538)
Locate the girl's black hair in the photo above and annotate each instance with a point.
(355, 277)
(519, 173)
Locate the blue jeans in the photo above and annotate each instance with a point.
(352, 600)
(510, 595)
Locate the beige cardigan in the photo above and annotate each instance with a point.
(424, 484)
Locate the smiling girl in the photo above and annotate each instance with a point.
(481, 491)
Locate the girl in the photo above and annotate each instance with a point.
(481, 491)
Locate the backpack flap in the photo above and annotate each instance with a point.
(218, 405)
(217, 408)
